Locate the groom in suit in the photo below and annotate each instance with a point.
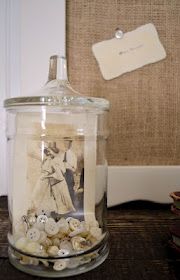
(70, 160)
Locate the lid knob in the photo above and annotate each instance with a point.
(57, 68)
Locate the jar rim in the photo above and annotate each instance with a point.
(60, 101)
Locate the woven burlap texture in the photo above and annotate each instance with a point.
(144, 118)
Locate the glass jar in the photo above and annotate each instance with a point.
(57, 179)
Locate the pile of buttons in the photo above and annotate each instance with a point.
(44, 236)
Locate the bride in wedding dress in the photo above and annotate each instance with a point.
(51, 191)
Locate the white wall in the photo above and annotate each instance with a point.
(3, 71)
(42, 35)
(30, 32)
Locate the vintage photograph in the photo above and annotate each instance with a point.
(56, 176)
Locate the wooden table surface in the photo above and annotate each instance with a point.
(139, 245)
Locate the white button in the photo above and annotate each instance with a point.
(42, 219)
(63, 252)
(60, 265)
(53, 251)
(65, 244)
(51, 227)
(74, 224)
(63, 225)
(33, 234)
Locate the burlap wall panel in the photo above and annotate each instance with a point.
(145, 104)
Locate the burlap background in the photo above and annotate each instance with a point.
(145, 104)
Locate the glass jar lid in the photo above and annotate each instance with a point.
(58, 92)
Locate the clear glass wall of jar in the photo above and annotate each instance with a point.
(57, 179)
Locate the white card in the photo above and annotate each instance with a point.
(134, 50)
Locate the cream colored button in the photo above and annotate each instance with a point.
(33, 234)
(75, 232)
(82, 230)
(93, 255)
(85, 260)
(65, 244)
(33, 248)
(85, 229)
(69, 218)
(63, 252)
(60, 265)
(56, 241)
(91, 240)
(74, 224)
(21, 243)
(78, 243)
(31, 261)
(53, 251)
(47, 242)
(51, 227)
(63, 225)
(43, 252)
(25, 260)
(60, 235)
(96, 232)
(32, 220)
(45, 263)
(42, 237)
